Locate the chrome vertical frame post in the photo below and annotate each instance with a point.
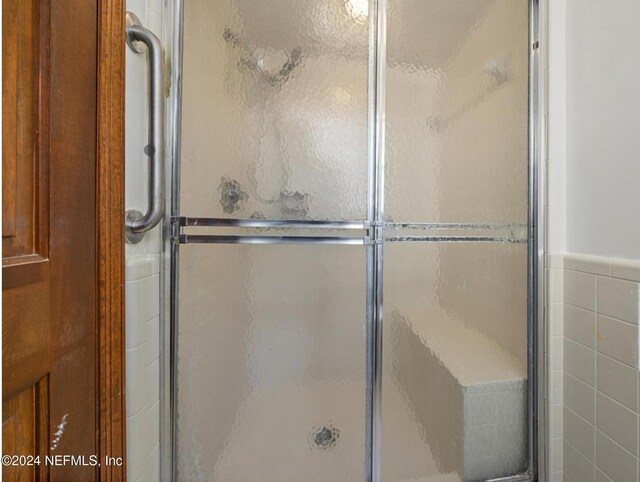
(375, 213)
(375, 206)
(537, 242)
(168, 433)
(536, 289)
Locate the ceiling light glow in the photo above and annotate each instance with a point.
(358, 9)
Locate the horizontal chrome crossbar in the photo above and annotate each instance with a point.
(516, 233)
(454, 239)
(440, 226)
(363, 241)
(221, 239)
(272, 223)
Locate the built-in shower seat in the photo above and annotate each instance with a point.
(467, 391)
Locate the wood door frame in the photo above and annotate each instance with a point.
(110, 226)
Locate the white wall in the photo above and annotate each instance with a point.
(593, 198)
(603, 127)
(142, 268)
(554, 12)
(556, 127)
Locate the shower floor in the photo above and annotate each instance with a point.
(278, 436)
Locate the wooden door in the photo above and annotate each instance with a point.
(50, 301)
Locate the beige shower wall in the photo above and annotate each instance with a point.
(311, 132)
(484, 172)
(307, 135)
(457, 152)
(484, 96)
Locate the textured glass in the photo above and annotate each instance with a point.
(456, 111)
(454, 366)
(271, 339)
(274, 114)
(271, 363)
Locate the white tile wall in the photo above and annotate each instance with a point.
(142, 289)
(600, 418)
(554, 361)
(142, 341)
(554, 68)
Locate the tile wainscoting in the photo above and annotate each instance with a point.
(592, 363)
(142, 272)
(143, 367)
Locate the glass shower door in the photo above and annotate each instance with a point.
(454, 373)
(334, 153)
(271, 363)
(271, 243)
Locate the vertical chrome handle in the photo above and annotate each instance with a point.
(136, 223)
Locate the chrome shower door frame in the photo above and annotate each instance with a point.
(374, 242)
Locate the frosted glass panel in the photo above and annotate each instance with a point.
(456, 111)
(271, 363)
(454, 375)
(271, 342)
(274, 114)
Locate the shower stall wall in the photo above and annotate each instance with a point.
(329, 154)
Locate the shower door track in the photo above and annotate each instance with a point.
(372, 234)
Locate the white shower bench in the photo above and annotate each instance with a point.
(468, 393)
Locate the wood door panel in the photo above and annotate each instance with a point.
(25, 431)
(19, 432)
(26, 286)
(72, 246)
(26, 334)
(17, 127)
(63, 205)
(24, 127)
(50, 255)
(26, 289)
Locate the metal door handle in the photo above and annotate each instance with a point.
(136, 223)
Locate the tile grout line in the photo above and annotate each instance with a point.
(576, 449)
(615, 401)
(615, 442)
(579, 307)
(594, 439)
(609, 357)
(580, 344)
(595, 392)
(598, 429)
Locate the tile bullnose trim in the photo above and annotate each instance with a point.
(554, 260)
(621, 268)
(627, 269)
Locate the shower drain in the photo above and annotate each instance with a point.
(324, 437)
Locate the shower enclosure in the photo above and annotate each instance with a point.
(352, 282)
